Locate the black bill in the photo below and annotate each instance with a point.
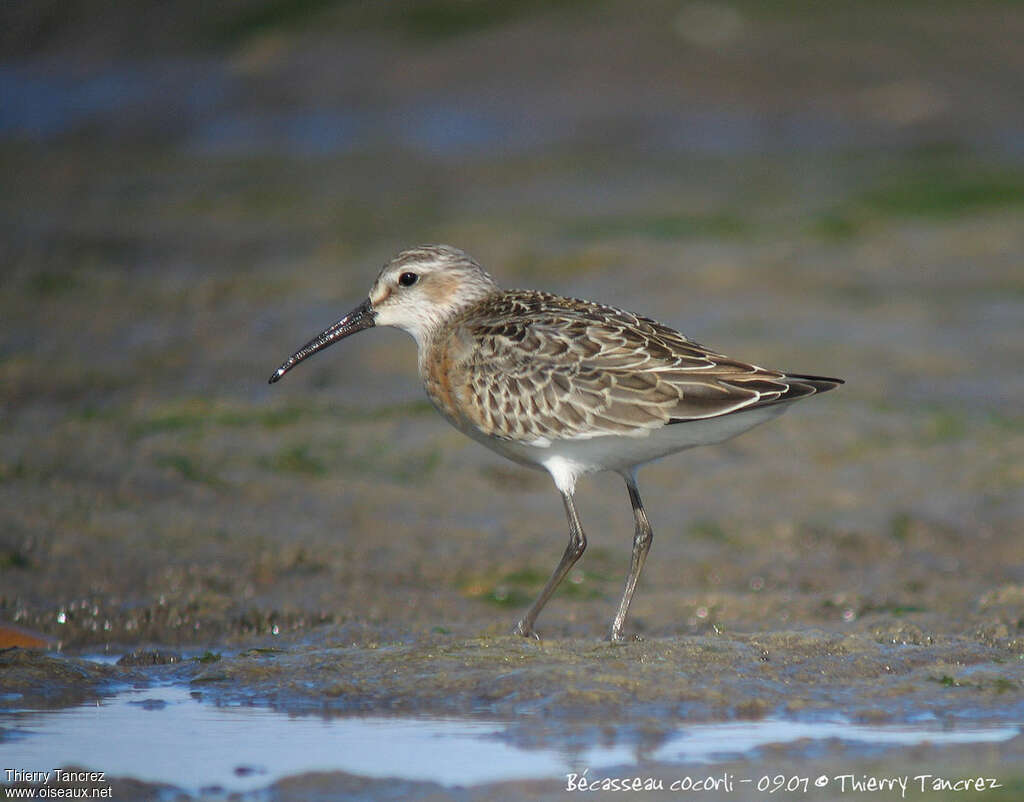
(358, 319)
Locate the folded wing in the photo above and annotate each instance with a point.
(546, 368)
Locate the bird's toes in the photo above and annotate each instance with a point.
(620, 637)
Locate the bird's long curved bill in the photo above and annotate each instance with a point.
(358, 319)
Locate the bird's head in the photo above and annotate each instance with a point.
(417, 291)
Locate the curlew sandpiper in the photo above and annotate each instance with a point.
(569, 386)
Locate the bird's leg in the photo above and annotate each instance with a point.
(573, 551)
(641, 545)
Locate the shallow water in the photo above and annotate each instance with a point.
(167, 734)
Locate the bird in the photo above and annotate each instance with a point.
(560, 384)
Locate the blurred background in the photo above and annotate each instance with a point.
(188, 191)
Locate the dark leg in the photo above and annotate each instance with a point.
(641, 545)
(573, 551)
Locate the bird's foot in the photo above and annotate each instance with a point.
(617, 636)
(525, 630)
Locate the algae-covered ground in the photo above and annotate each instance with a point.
(187, 199)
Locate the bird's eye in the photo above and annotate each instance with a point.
(408, 279)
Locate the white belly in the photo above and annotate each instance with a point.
(567, 460)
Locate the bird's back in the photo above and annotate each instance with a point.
(534, 367)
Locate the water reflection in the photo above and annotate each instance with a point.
(167, 735)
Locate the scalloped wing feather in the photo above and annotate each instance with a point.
(530, 366)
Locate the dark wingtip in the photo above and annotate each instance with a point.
(822, 379)
(275, 376)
